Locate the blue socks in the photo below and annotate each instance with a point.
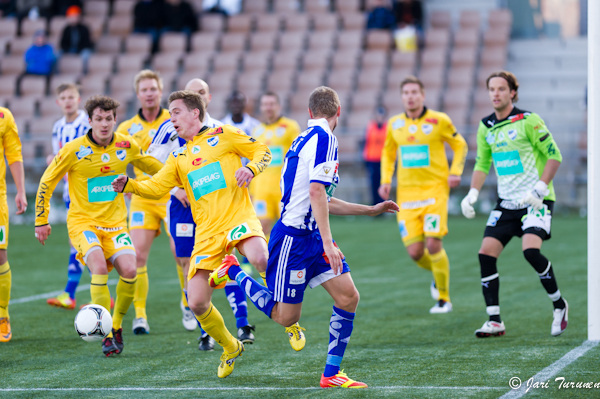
(73, 274)
(260, 295)
(237, 301)
(340, 329)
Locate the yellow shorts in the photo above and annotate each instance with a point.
(146, 214)
(423, 216)
(209, 254)
(113, 241)
(3, 224)
(267, 204)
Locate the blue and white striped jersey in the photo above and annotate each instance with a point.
(167, 140)
(63, 132)
(312, 158)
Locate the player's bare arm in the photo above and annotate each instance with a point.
(340, 207)
(318, 201)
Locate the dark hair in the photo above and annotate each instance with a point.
(511, 79)
(191, 99)
(105, 103)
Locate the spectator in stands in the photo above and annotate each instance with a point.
(225, 7)
(75, 37)
(148, 18)
(236, 104)
(409, 13)
(40, 57)
(374, 141)
(33, 9)
(179, 16)
(8, 8)
(60, 7)
(381, 16)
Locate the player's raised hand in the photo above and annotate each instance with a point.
(384, 191)
(388, 206)
(42, 233)
(243, 176)
(119, 183)
(466, 204)
(21, 202)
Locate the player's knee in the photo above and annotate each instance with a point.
(415, 253)
(259, 261)
(198, 306)
(128, 271)
(349, 301)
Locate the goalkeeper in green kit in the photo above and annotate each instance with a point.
(526, 158)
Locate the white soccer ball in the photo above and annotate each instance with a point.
(93, 323)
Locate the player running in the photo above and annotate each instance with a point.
(97, 219)
(525, 158)
(10, 146)
(209, 168)
(145, 215)
(301, 249)
(73, 124)
(418, 136)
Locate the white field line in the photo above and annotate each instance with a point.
(47, 295)
(149, 389)
(552, 370)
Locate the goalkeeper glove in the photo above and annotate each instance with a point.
(535, 198)
(467, 203)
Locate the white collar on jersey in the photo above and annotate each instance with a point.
(320, 122)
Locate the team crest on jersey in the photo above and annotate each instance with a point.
(432, 223)
(178, 151)
(195, 149)
(258, 131)
(490, 138)
(123, 144)
(280, 131)
(427, 128)
(501, 136)
(134, 128)
(213, 141)
(413, 129)
(238, 232)
(152, 133)
(399, 123)
(512, 134)
(121, 154)
(122, 240)
(105, 157)
(83, 152)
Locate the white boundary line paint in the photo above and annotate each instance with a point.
(53, 293)
(163, 389)
(553, 369)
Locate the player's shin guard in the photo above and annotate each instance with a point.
(212, 322)
(5, 285)
(237, 301)
(424, 261)
(543, 267)
(73, 274)
(340, 329)
(440, 267)
(125, 291)
(141, 292)
(490, 286)
(260, 295)
(99, 290)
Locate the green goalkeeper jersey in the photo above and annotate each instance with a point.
(519, 146)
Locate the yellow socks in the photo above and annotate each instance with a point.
(125, 291)
(212, 322)
(5, 283)
(440, 266)
(425, 260)
(263, 275)
(182, 284)
(141, 293)
(99, 290)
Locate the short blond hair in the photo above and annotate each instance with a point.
(147, 74)
(191, 99)
(67, 86)
(323, 102)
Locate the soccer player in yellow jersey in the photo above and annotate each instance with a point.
(278, 133)
(145, 215)
(417, 138)
(10, 146)
(209, 168)
(97, 218)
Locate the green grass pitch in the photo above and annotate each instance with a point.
(397, 347)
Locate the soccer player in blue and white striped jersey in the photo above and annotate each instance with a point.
(73, 124)
(301, 248)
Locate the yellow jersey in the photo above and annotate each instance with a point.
(91, 168)
(278, 136)
(10, 145)
(205, 167)
(419, 146)
(143, 132)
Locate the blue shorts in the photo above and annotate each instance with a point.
(296, 259)
(181, 227)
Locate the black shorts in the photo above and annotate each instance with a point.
(504, 224)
